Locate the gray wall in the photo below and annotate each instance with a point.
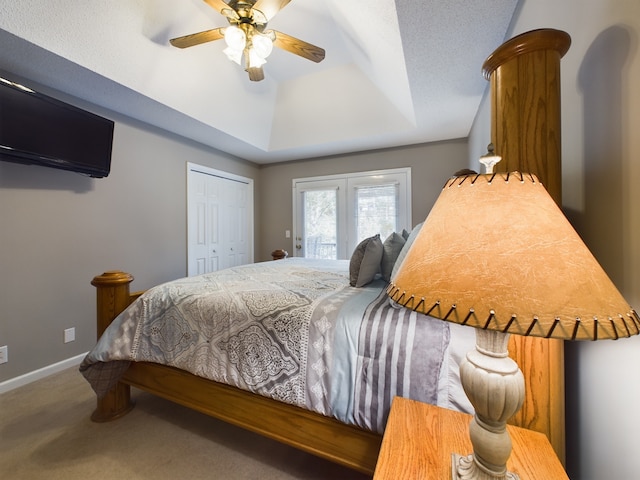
(60, 229)
(431, 164)
(601, 171)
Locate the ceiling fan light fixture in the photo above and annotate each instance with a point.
(246, 36)
(255, 60)
(261, 48)
(235, 38)
(233, 55)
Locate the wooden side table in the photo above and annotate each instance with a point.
(420, 438)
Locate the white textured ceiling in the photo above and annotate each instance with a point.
(395, 73)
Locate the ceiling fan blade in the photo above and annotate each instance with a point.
(256, 74)
(267, 9)
(198, 38)
(223, 8)
(297, 46)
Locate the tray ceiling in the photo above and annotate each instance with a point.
(395, 73)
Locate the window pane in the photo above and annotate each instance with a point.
(320, 224)
(376, 210)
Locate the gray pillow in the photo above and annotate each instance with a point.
(365, 261)
(390, 250)
(405, 249)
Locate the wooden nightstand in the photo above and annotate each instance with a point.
(419, 439)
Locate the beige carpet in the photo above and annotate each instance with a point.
(45, 433)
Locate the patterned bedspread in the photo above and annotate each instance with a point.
(292, 330)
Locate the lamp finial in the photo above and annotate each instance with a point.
(490, 158)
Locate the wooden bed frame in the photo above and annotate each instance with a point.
(524, 74)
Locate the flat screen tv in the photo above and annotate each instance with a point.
(37, 129)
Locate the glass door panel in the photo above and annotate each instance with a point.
(320, 231)
(376, 211)
(319, 219)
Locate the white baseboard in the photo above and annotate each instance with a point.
(41, 373)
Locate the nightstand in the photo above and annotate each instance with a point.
(419, 439)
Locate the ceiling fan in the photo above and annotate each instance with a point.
(247, 36)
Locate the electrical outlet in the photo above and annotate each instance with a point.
(4, 354)
(69, 335)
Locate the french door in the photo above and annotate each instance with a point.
(332, 214)
(321, 206)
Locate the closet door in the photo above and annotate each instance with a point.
(234, 221)
(204, 210)
(219, 218)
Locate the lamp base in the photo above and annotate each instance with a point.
(465, 468)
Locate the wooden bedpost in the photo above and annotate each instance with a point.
(112, 298)
(524, 73)
(525, 129)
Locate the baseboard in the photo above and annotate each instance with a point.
(41, 373)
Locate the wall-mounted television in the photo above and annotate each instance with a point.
(40, 130)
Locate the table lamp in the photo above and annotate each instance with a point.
(496, 253)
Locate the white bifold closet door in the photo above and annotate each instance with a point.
(220, 220)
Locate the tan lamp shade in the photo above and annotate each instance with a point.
(497, 253)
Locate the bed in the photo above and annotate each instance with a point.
(294, 332)
(305, 410)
